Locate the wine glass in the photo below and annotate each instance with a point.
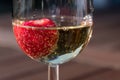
(52, 31)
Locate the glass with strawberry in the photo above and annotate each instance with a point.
(52, 31)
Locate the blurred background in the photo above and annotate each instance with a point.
(99, 61)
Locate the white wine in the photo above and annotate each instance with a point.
(70, 43)
(55, 45)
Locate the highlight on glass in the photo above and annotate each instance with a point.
(52, 31)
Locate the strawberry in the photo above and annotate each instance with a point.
(36, 43)
(44, 22)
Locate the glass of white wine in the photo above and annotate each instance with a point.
(52, 31)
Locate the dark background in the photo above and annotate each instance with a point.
(100, 60)
(100, 5)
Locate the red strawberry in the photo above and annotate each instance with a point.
(36, 42)
(44, 22)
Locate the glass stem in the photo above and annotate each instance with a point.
(53, 72)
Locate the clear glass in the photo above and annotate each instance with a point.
(52, 31)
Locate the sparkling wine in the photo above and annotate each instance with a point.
(65, 43)
(71, 41)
